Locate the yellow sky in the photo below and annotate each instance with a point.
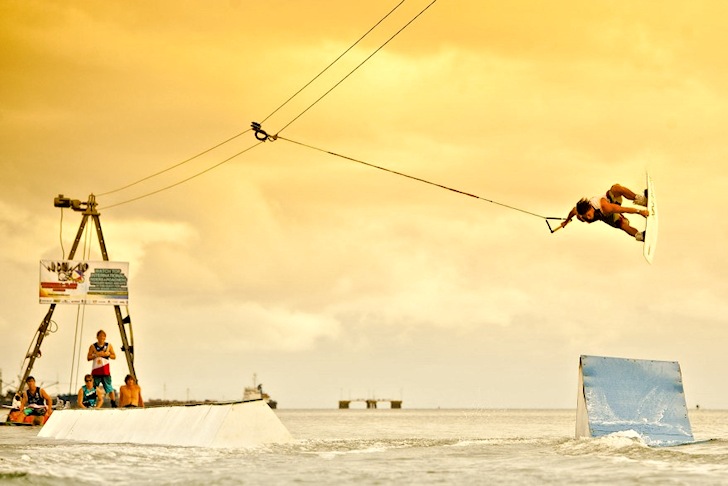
(329, 278)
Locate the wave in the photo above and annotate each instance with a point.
(410, 459)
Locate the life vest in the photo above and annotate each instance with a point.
(89, 397)
(101, 365)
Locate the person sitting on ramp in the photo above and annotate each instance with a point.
(35, 403)
(608, 208)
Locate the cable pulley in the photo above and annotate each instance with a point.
(261, 134)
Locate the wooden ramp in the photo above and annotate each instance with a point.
(229, 425)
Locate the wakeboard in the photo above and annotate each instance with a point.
(651, 227)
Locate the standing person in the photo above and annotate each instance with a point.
(608, 208)
(89, 396)
(36, 402)
(130, 395)
(100, 353)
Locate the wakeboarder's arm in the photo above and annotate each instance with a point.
(568, 219)
(48, 401)
(79, 401)
(91, 353)
(112, 354)
(46, 397)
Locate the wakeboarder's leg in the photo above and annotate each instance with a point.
(619, 190)
(627, 228)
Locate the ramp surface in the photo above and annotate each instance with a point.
(644, 396)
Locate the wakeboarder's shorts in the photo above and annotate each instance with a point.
(615, 219)
(612, 198)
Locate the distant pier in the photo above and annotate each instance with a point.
(370, 402)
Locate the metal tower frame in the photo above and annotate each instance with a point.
(89, 211)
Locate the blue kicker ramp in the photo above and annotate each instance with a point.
(644, 396)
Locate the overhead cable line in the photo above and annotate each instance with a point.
(183, 180)
(419, 179)
(333, 62)
(239, 134)
(359, 65)
(257, 129)
(176, 165)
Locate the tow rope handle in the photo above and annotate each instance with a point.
(557, 228)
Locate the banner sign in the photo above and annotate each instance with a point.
(74, 282)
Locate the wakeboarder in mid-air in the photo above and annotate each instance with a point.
(608, 208)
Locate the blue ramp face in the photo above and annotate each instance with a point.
(644, 396)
